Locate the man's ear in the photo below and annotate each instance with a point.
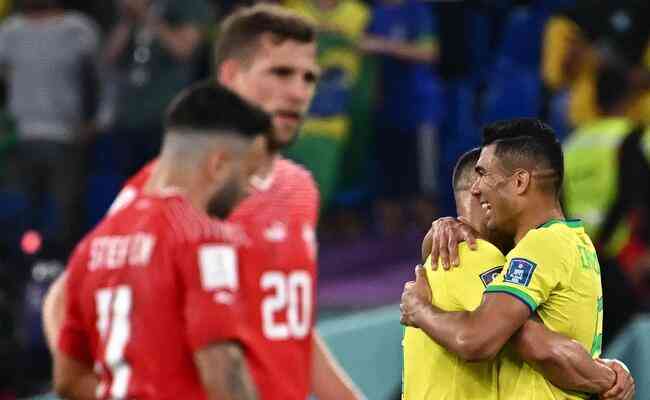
(217, 164)
(227, 71)
(521, 181)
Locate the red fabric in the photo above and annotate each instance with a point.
(144, 262)
(277, 277)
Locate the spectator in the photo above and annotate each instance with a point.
(584, 36)
(403, 35)
(326, 130)
(152, 50)
(591, 157)
(593, 169)
(49, 61)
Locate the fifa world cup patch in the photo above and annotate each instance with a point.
(488, 276)
(520, 271)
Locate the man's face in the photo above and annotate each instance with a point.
(493, 191)
(280, 78)
(235, 187)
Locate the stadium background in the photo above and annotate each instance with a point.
(492, 60)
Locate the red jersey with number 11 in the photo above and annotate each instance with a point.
(154, 282)
(277, 274)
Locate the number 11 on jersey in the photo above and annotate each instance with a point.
(113, 306)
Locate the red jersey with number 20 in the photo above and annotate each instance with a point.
(154, 282)
(277, 274)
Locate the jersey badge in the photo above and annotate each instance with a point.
(277, 232)
(488, 276)
(520, 271)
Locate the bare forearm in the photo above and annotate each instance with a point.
(450, 330)
(73, 379)
(224, 372)
(406, 51)
(564, 362)
(329, 380)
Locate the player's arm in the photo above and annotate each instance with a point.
(73, 379)
(329, 380)
(73, 376)
(564, 362)
(474, 336)
(223, 372)
(54, 311)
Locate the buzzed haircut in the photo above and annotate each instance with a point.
(529, 143)
(210, 108)
(464, 170)
(240, 32)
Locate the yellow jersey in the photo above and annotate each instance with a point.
(431, 371)
(554, 270)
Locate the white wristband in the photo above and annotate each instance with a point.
(619, 362)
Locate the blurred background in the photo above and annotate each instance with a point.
(406, 87)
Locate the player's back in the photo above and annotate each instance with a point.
(135, 306)
(278, 277)
(431, 371)
(554, 270)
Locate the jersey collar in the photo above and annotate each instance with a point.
(571, 223)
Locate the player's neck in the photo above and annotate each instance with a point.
(165, 179)
(266, 167)
(537, 215)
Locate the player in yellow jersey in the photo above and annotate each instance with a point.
(552, 272)
(432, 372)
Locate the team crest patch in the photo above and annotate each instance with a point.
(488, 276)
(520, 271)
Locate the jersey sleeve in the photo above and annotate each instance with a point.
(212, 302)
(533, 268)
(73, 339)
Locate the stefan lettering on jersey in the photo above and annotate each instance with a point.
(113, 252)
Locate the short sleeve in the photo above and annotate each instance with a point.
(534, 268)
(73, 339)
(212, 303)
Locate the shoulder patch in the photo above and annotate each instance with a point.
(520, 271)
(488, 276)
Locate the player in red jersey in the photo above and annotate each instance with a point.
(268, 56)
(153, 307)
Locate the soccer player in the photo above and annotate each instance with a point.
(427, 364)
(552, 272)
(267, 55)
(153, 307)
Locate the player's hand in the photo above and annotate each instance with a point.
(624, 388)
(446, 233)
(415, 297)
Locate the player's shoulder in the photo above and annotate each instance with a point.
(554, 235)
(188, 226)
(485, 257)
(290, 172)
(80, 21)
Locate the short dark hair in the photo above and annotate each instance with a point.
(464, 169)
(612, 87)
(526, 141)
(210, 107)
(239, 33)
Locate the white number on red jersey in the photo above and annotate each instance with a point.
(291, 295)
(113, 307)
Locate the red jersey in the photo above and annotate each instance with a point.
(277, 275)
(150, 285)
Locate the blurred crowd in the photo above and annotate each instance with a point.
(405, 87)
